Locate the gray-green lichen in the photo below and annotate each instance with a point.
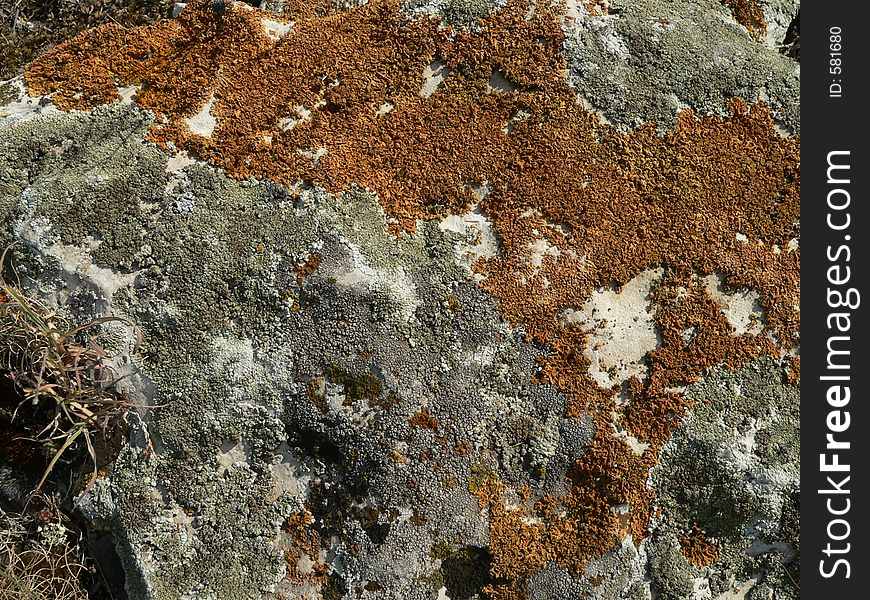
(460, 13)
(299, 359)
(779, 15)
(648, 60)
(278, 388)
(618, 575)
(733, 470)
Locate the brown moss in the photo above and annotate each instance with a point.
(484, 484)
(504, 592)
(417, 519)
(611, 204)
(387, 402)
(794, 371)
(517, 548)
(314, 394)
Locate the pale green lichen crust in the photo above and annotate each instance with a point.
(648, 60)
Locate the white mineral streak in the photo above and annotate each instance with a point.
(203, 123)
(740, 307)
(621, 329)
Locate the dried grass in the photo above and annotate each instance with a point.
(67, 385)
(43, 566)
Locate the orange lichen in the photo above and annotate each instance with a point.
(697, 549)
(518, 548)
(749, 14)
(310, 107)
(504, 592)
(304, 268)
(306, 542)
(794, 371)
(307, 9)
(298, 525)
(423, 419)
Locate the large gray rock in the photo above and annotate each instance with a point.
(318, 396)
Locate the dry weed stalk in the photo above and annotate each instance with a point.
(68, 387)
(42, 565)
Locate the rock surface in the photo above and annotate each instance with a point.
(537, 340)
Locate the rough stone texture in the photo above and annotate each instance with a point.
(460, 13)
(648, 60)
(317, 383)
(734, 469)
(332, 410)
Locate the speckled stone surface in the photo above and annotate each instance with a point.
(500, 385)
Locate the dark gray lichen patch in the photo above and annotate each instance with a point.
(464, 571)
(649, 60)
(378, 453)
(733, 470)
(620, 574)
(670, 572)
(554, 583)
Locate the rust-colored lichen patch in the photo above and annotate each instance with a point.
(307, 9)
(749, 14)
(423, 419)
(517, 546)
(337, 100)
(306, 543)
(697, 549)
(305, 267)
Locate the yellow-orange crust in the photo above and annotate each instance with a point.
(697, 548)
(749, 14)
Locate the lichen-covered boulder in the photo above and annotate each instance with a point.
(437, 299)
